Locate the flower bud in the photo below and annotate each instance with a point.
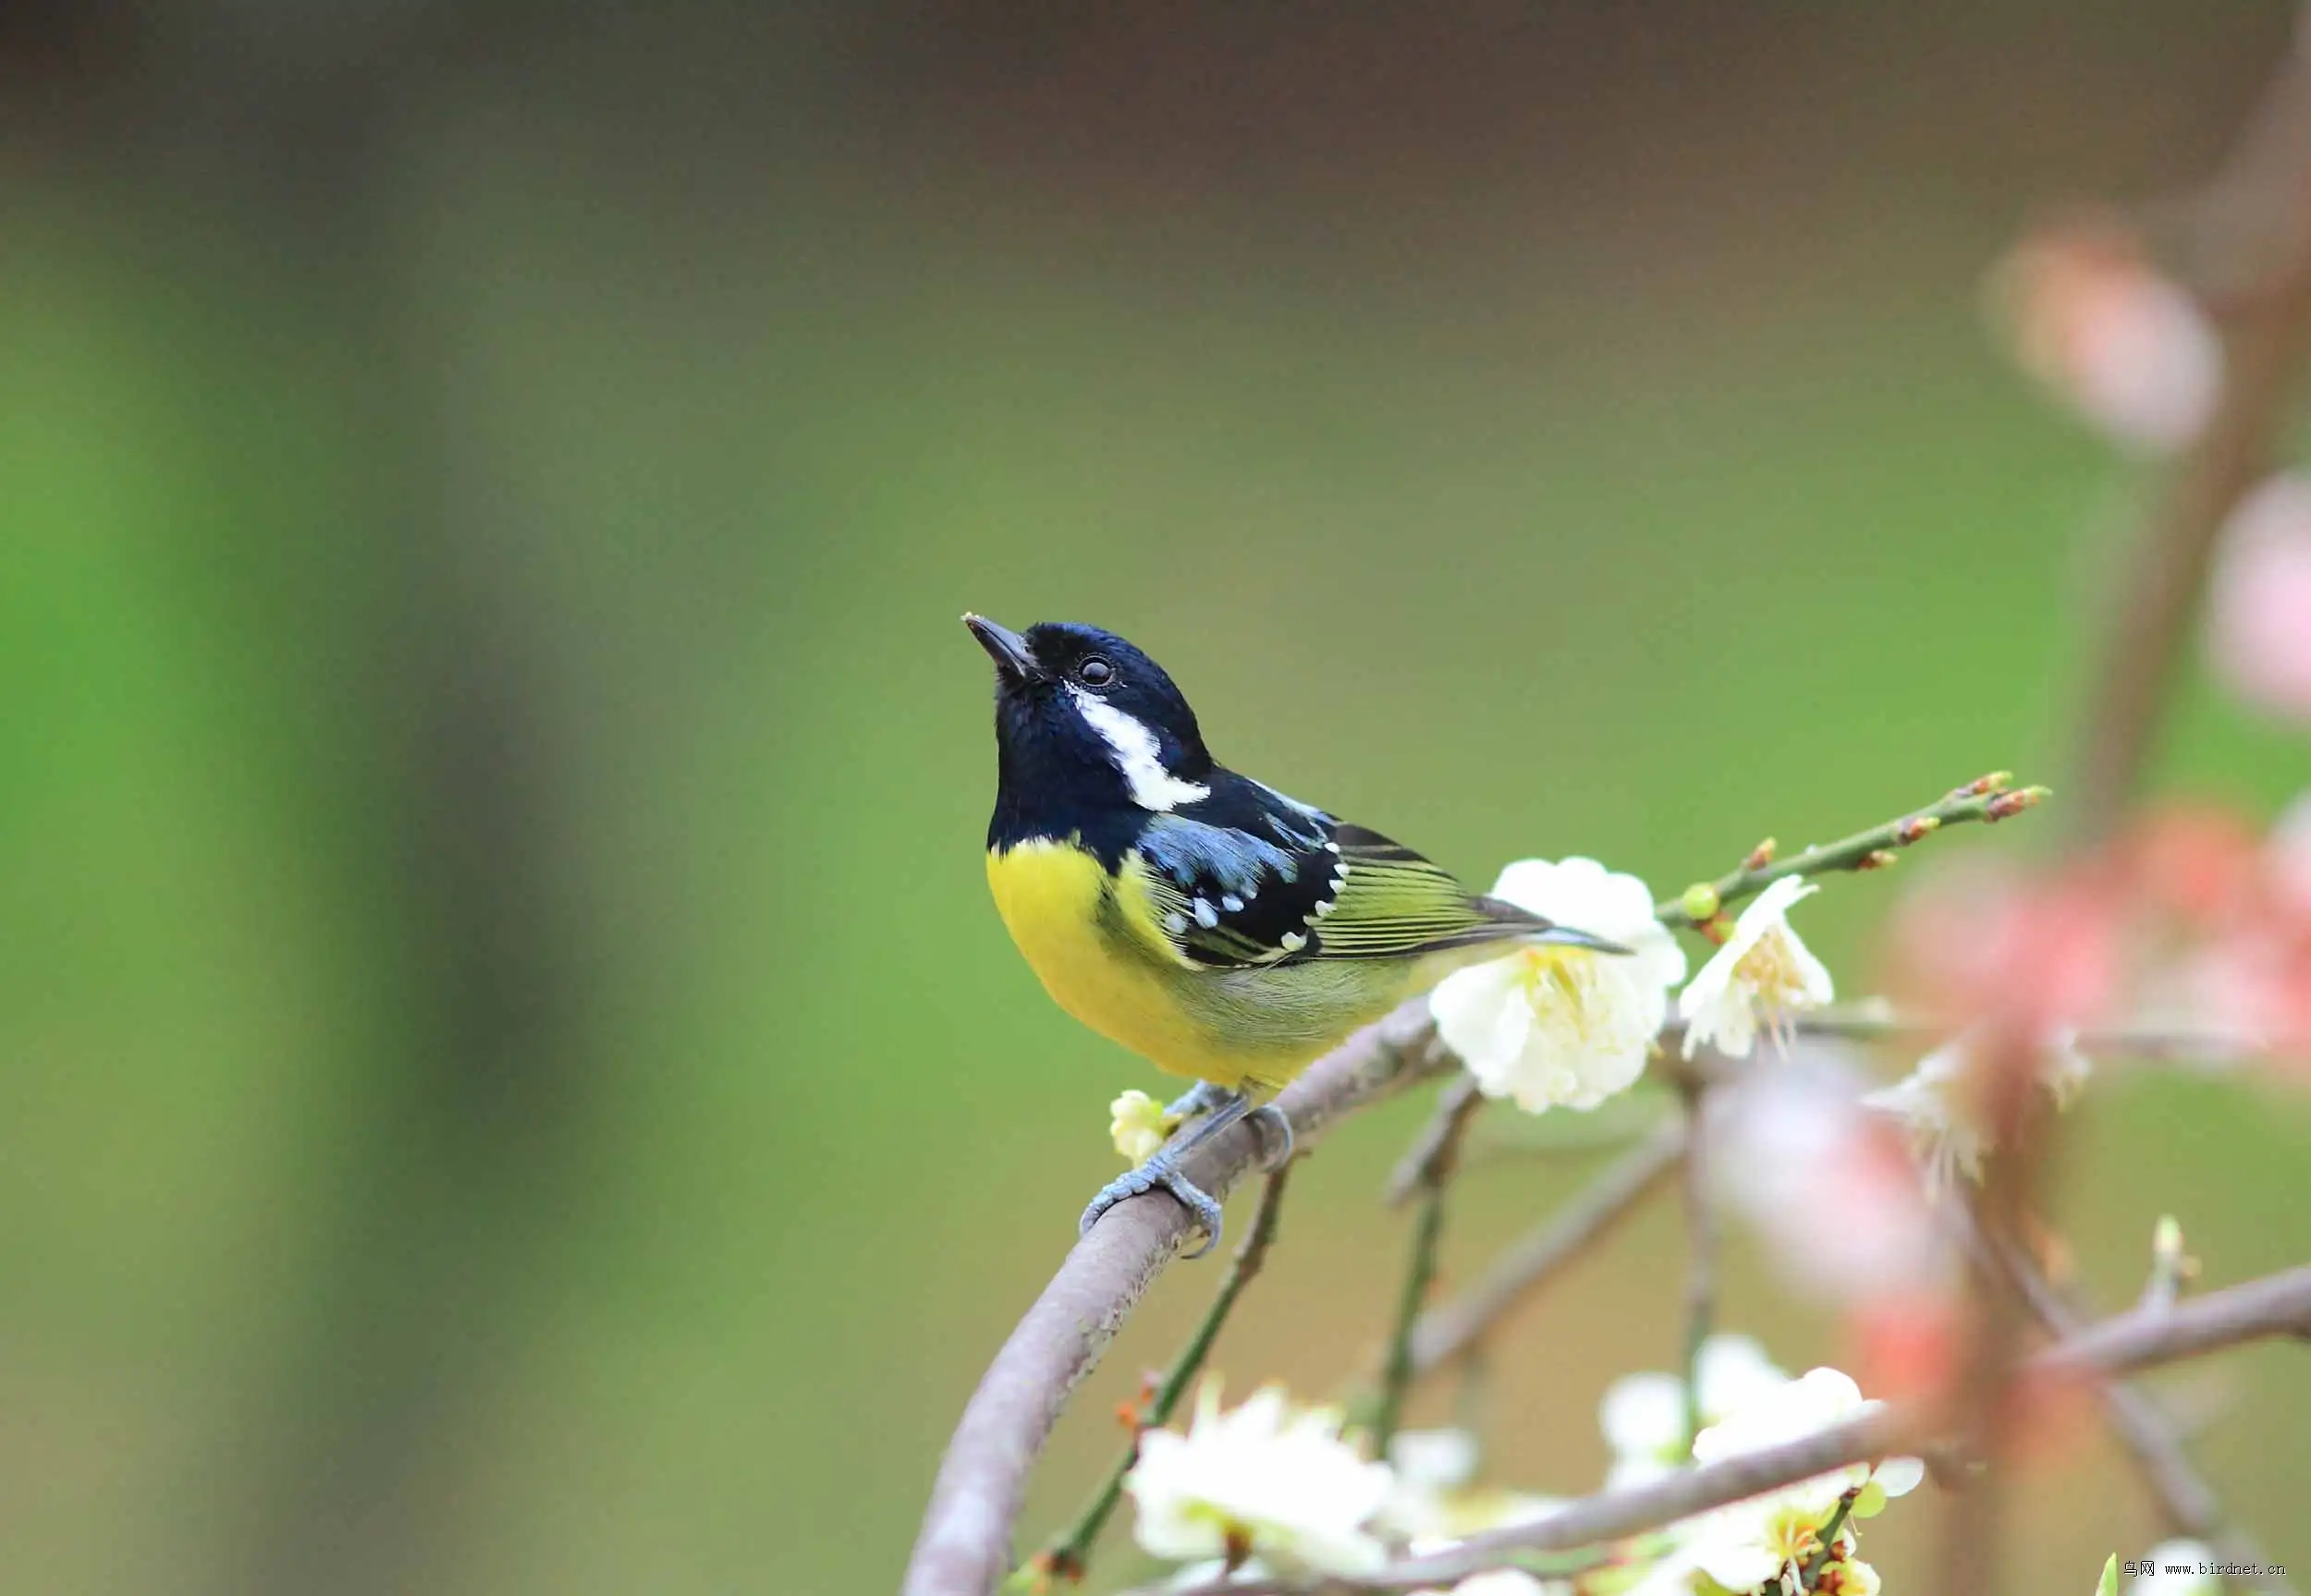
(2009, 804)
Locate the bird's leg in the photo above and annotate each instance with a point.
(1163, 1169)
(1203, 1098)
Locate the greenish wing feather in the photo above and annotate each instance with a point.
(1226, 897)
(1395, 903)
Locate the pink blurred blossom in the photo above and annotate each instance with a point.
(2258, 600)
(1829, 1187)
(2124, 346)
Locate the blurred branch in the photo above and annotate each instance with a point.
(1990, 798)
(1451, 1330)
(2252, 244)
(1069, 1553)
(963, 1547)
(2186, 1498)
(1436, 1146)
(2149, 1041)
(2005, 1076)
(2274, 1305)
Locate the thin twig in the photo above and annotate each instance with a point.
(1989, 799)
(1068, 1554)
(2147, 1040)
(1430, 1179)
(1453, 1329)
(963, 1547)
(1828, 1547)
(1701, 1240)
(2273, 1305)
(1454, 1104)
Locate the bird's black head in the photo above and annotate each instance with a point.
(1091, 734)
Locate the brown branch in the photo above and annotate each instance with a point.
(1451, 1330)
(2274, 1305)
(2256, 235)
(963, 1548)
(1069, 1552)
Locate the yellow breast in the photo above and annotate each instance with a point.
(1076, 927)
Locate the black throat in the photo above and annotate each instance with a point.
(1055, 778)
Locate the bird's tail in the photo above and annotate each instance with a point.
(1566, 936)
(1528, 927)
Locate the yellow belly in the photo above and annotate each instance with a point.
(1090, 940)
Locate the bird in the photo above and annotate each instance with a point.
(1202, 918)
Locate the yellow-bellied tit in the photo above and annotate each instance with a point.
(1207, 922)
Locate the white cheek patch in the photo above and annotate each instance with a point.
(1137, 756)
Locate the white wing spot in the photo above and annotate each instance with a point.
(1175, 923)
(1232, 904)
(1205, 914)
(1138, 755)
(1295, 942)
(1332, 846)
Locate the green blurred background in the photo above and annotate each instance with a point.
(511, 1080)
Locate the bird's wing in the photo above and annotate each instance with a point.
(1248, 876)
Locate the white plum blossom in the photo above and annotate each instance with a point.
(1931, 1105)
(1564, 1026)
(2178, 1553)
(1643, 1415)
(1747, 1544)
(1763, 971)
(1267, 1479)
(1943, 1134)
(1138, 1126)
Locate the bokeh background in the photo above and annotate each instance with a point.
(509, 1079)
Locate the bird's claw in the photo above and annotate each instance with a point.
(1274, 1126)
(1159, 1171)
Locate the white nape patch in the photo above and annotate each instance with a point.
(1205, 914)
(1138, 755)
(1295, 942)
(1232, 904)
(1175, 923)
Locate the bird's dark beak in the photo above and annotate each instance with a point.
(1006, 648)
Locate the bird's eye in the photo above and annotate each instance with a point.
(1095, 672)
